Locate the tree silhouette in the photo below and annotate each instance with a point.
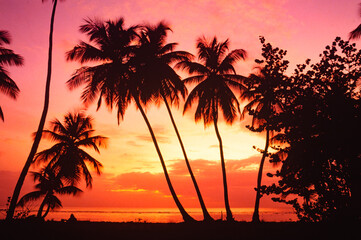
(37, 138)
(161, 82)
(47, 187)
(263, 93)
(66, 158)
(8, 58)
(215, 78)
(321, 157)
(116, 81)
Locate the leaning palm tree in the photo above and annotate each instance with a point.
(161, 82)
(216, 80)
(37, 138)
(356, 33)
(47, 187)
(9, 58)
(114, 79)
(67, 158)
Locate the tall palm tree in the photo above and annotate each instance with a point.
(9, 58)
(215, 77)
(66, 158)
(161, 82)
(37, 138)
(356, 33)
(114, 79)
(47, 187)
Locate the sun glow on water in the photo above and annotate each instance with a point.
(162, 215)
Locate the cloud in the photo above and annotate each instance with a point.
(148, 138)
(241, 176)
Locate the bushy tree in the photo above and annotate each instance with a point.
(321, 157)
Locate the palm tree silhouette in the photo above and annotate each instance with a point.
(37, 138)
(161, 82)
(47, 187)
(8, 58)
(356, 33)
(66, 158)
(115, 80)
(263, 104)
(215, 78)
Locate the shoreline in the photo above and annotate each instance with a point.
(186, 231)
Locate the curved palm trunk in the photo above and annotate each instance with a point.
(255, 217)
(185, 215)
(225, 186)
(46, 212)
(41, 208)
(206, 215)
(39, 132)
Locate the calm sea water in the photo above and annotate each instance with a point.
(161, 215)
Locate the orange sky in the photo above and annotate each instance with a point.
(132, 175)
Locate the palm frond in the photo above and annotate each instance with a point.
(226, 66)
(356, 33)
(4, 37)
(73, 190)
(95, 164)
(8, 57)
(29, 197)
(192, 67)
(85, 52)
(7, 85)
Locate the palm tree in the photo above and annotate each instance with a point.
(37, 138)
(114, 79)
(48, 185)
(66, 158)
(8, 57)
(356, 33)
(161, 82)
(215, 78)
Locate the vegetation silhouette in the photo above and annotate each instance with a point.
(265, 101)
(161, 82)
(116, 79)
(66, 159)
(320, 126)
(8, 58)
(37, 138)
(48, 185)
(215, 77)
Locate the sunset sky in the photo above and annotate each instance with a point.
(132, 174)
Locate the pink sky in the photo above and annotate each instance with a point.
(132, 175)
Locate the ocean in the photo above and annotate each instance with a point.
(161, 215)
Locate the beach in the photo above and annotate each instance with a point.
(187, 231)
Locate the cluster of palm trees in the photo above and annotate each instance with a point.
(65, 163)
(137, 65)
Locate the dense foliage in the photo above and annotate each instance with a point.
(320, 154)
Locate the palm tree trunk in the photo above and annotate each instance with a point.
(40, 211)
(46, 212)
(225, 186)
(206, 215)
(255, 217)
(37, 139)
(185, 215)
